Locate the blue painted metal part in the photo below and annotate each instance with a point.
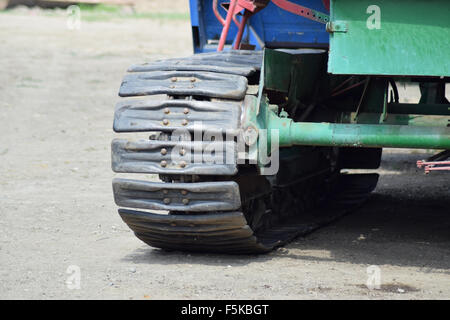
(272, 27)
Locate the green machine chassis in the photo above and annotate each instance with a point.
(314, 111)
(373, 45)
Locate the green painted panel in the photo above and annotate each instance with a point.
(410, 38)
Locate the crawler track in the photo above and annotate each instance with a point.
(215, 205)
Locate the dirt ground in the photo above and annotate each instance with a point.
(58, 88)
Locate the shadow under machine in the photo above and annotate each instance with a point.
(252, 135)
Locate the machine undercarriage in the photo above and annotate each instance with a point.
(251, 146)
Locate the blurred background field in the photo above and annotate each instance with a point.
(93, 10)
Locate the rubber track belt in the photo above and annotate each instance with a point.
(229, 231)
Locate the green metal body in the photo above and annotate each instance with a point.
(390, 37)
(289, 89)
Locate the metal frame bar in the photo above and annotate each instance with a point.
(302, 11)
(226, 27)
(359, 135)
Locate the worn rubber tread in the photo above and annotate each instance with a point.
(146, 156)
(201, 196)
(358, 185)
(144, 114)
(243, 232)
(184, 83)
(187, 65)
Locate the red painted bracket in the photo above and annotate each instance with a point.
(304, 11)
(250, 7)
(437, 162)
(434, 165)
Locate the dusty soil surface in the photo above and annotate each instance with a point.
(58, 88)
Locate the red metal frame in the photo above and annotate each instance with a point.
(303, 11)
(434, 165)
(244, 19)
(226, 27)
(250, 7)
(437, 162)
(217, 14)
